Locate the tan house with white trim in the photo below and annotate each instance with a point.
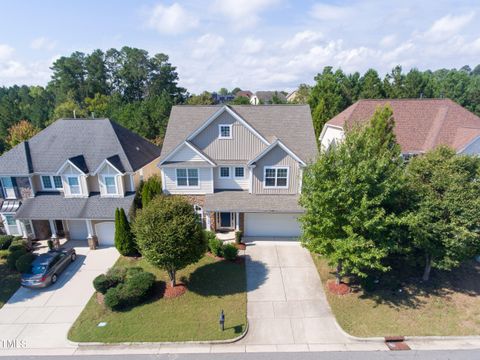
(241, 166)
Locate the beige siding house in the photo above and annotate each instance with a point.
(240, 166)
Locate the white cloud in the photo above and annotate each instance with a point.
(6, 51)
(43, 43)
(243, 13)
(207, 45)
(173, 19)
(329, 12)
(388, 40)
(252, 45)
(448, 26)
(301, 38)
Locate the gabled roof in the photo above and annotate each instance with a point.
(272, 146)
(190, 146)
(86, 143)
(420, 124)
(291, 124)
(268, 95)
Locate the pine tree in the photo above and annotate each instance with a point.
(124, 240)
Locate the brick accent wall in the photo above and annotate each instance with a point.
(23, 186)
(242, 222)
(42, 229)
(213, 223)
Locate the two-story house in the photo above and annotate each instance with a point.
(240, 166)
(67, 180)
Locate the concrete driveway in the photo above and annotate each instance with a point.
(287, 307)
(42, 318)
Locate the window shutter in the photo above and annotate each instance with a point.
(15, 187)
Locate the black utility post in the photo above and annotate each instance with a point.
(222, 321)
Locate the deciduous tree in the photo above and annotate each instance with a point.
(21, 131)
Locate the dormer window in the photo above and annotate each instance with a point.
(50, 183)
(74, 185)
(110, 185)
(225, 131)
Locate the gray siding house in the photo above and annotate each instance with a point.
(240, 166)
(67, 180)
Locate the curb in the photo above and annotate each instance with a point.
(86, 345)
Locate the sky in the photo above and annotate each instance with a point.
(251, 44)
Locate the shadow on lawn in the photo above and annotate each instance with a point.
(223, 278)
(411, 292)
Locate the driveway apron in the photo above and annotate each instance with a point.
(286, 302)
(41, 318)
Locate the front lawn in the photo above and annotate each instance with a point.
(9, 282)
(212, 286)
(449, 306)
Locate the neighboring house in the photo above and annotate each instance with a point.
(222, 99)
(292, 96)
(240, 166)
(244, 93)
(67, 180)
(266, 97)
(420, 124)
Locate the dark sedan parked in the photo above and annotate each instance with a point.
(47, 267)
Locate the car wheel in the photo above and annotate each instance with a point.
(73, 257)
(54, 278)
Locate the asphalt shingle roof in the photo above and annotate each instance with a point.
(94, 140)
(53, 205)
(243, 201)
(420, 124)
(292, 124)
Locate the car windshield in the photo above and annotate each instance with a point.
(37, 269)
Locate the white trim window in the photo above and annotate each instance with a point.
(187, 177)
(225, 131)
(11, 225)
(110, 182)
(239, 172)
(224, 172)
(74, 185)
(51, 182)
(8, 188)
(276, 177)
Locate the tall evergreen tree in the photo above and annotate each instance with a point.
(124, 240)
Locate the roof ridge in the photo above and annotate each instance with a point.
(112, 125)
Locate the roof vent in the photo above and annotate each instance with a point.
(136, 147)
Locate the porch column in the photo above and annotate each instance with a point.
(237, 221)
(23, 229)
(53, 229)
(92, 237)
(208, 226)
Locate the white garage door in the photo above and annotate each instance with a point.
(105, 233)
(278, 225)
(78, 229)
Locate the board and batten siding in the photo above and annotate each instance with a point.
(204, 182)
(276, 157)
(244, 145)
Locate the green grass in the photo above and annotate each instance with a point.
(9, 282)
(448, 306)
(212, 286)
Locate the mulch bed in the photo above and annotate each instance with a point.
(239, 260)
(100, 298)
(340, 289)
(176, 291)
(215, 257)
(241, 246)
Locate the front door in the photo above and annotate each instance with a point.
(226, 220)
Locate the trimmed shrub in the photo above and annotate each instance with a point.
(113, 297)
(116, 274)
(151, 188)
(135, 290)
(5, 241)
(216, 246)
(133, 271)
(24, 263)
(230, 252)
(101, 283)
(4, 254)
(124, 241)
(13, 257)
(50, 244)
(238, 236)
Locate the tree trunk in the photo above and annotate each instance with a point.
(338, 276)
(428, 267)
(172, 275)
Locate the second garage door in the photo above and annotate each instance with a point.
(269, 225)
(78, 229)
(105, 233)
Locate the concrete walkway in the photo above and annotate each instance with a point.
(42, 317)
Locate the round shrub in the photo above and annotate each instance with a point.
(116, 275)
(24, 263)
(5, 241)
(230, 252)
(4, 254)
(101, 283)
(113, 298)
(13, 257)
(133, 271)
(216, 246)
(15, 247)
(137, 288)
